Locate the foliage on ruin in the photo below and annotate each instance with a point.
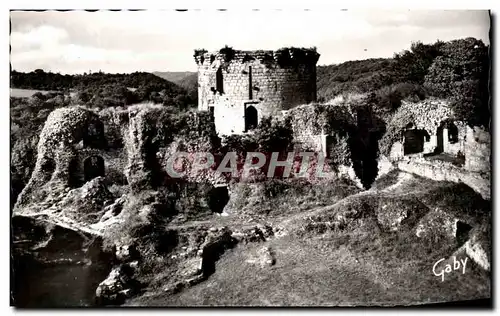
(27, 118)
(427, 114)
(228, 53)
(199, 53)
(294, 56)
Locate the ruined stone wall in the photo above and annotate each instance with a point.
(257, 78)
(64, 134)
(477, 149)
(306, 126)
(443, 171)
(426, 115)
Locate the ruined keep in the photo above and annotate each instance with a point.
(241, 87)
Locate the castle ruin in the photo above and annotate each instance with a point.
(241, 87)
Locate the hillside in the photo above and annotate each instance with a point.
(42, 80)
(358, 76)
(327, 256)
(176, 77)
(187, 80)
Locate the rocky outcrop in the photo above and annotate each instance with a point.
(196, 260)
(118, 286)
(265, 257)
(64, 129)
(394, 213)
(478, 247)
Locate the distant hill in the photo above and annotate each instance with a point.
(41, 80)
(177, 77)
(105, 90)
(358, 76)
(185, 79)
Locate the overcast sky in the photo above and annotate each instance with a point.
(128, 41)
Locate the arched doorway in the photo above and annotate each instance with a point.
(93, 167)
(251, 118)
(414, 139)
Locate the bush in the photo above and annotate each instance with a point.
(390, 97)
(462, 74)
(412, 65)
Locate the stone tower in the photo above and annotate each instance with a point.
(242, 87)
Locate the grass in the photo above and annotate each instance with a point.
(283, 198)
(25, 93)
(361, 269)
(360, 264)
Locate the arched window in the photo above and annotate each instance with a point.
(93, 167)
(251, 118)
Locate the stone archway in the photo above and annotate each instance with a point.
(251, 118)
(93, 167)
(414, 139)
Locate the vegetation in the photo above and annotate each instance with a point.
(27, 117)
(457, 70)
(359, 76)
(105, 90)
(462, 73)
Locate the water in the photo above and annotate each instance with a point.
(57, 285)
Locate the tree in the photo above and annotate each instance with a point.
(412, 65)
(461, 73)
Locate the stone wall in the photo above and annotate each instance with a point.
(255, 78)
(443, 171)
(428, 115)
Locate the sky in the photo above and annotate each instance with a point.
(127, 41)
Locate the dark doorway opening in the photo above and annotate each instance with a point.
(414, 141)
(251, 118)
(74, 179)
(219, 82)
(48, 166)
(462, 233)
(93, 167)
